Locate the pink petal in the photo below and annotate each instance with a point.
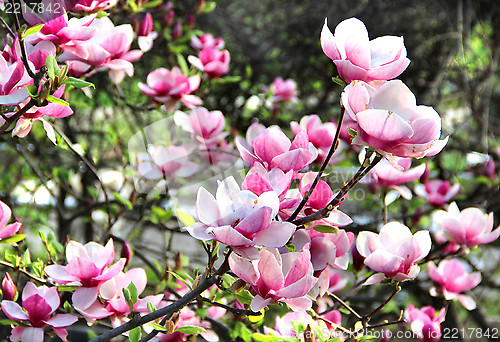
(61, 320)
(258, 303)
(276, 235)
(13, 310)
(244, 269)
(207, 209)
(328, 42)
(230, 236)
(384, 125)
(84, 297)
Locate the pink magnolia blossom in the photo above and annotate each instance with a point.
(7, 230)
(387, 176)
(110, 49)
(327, 249)
(38, 305)
(394, 252)
(89, 5)
(13, 78)
(170, 87)
(469, 227)
(359, 58)
(207, 127)
(273, 149)
(89, 266)
(320, 134)
(207, 41)
(452, 279)
(283, 90)
(425, 323)
(9, 289)
(36, 53)
(213, 62)
(145, 33)
(284, 277)
(240, 218)
(437, 192)
(258, 180)
(166, 162)
(389, 120)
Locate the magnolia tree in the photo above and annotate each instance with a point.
(267, 251)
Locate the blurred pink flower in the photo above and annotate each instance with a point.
(284, 277)
(425, 323)
(452, 279)
(213, 62)
(207, 41)
(145, 33)
(207, 127)
(358, 58)
(437, 192)
(239, 218)
(283, 90)
(39, 303)
(469, 227)
(166, 162)
(170, 87)
(389, 120)
(7, 230)
(89, 5)
(394, 252)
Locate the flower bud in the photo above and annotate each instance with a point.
(9, 289)
(190, 19)
(168, 18)
(177, 30)
(431, 332)
(145, 26)
(126, 252)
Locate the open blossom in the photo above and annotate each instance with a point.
(283, 90)
(240, 218)
(284, 277)
(453, 279)
(213, 62)
(425, 323)
(394, 252)
(13, 78)
(389, 120)
(145, 33)
(359, 58)
(207, 41)
(273, 149)
(38, 305)
(207, 127)
(166, 162)
(110, 49)
(89, 5)
(387, 176)
(437, 192)
(258, 180)
(171, 86)
(89, 266)
(320, 134)
(7, 230)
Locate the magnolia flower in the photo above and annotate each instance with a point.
(394, 252)
(273, 149)
(166, 162)
(207, 41)
(7, 230)
(389, 120)
(88, 266)
(425, 323)
(9, 289)
(38, 305)
(387, 176)
(240, 218)
(469, 227)
(358, 58)
(320, 134)
(170, 87)
(283, 90)
(437, 192)
(452, 279)
(145, 33)
(258, 180)
(13, 78)
(89, 5)
(284, 277)
(206, 127)
(213, 62)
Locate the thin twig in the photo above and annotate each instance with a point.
(7, 264)
(344, 304)
(8, 28)
(241, 312)
(17, 115)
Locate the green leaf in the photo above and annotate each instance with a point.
(67, 307)
(8, 322)
(339, 81)
(66, 288)
(134, 294)
(323, 228)
(122, 200)
(209, 6)
(156, 326)
(178, 277)
(135, 334)
(32, 30)
(52, 98)
(186, 219)
(32, 90)
(13, 238)
(78, 83)
(242, 331)
(152, 4)
(151, 307)
(102, 14)
(126, 294)
(352, 132)
(52, 67)
(190, 329)
(244, 297)
(26, 259)
(182, 64)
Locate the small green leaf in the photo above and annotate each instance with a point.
(209, 6)
(33, 30)
(66, 288)
(134, 294)
(26, 259)
(182, 64)
(135, 334)
(52, 98)
(186, 219)
(102, 14)
(13, 238)
(339, 81)
(190, 329)
(178, 277)
(8, 322)
(77, 83)
(152, 4)
(52, 67)
(126, 294)
(352, 132)
(156, 326)
(32, 90)
(119, 198)
(151, 307)
(67, 307)
(244, 297)
(323, 228)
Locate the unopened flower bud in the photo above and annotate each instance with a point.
(190, 19)
(177, 30)
(126, 252)
(145, 26)
(9, 289)
(168, 18)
